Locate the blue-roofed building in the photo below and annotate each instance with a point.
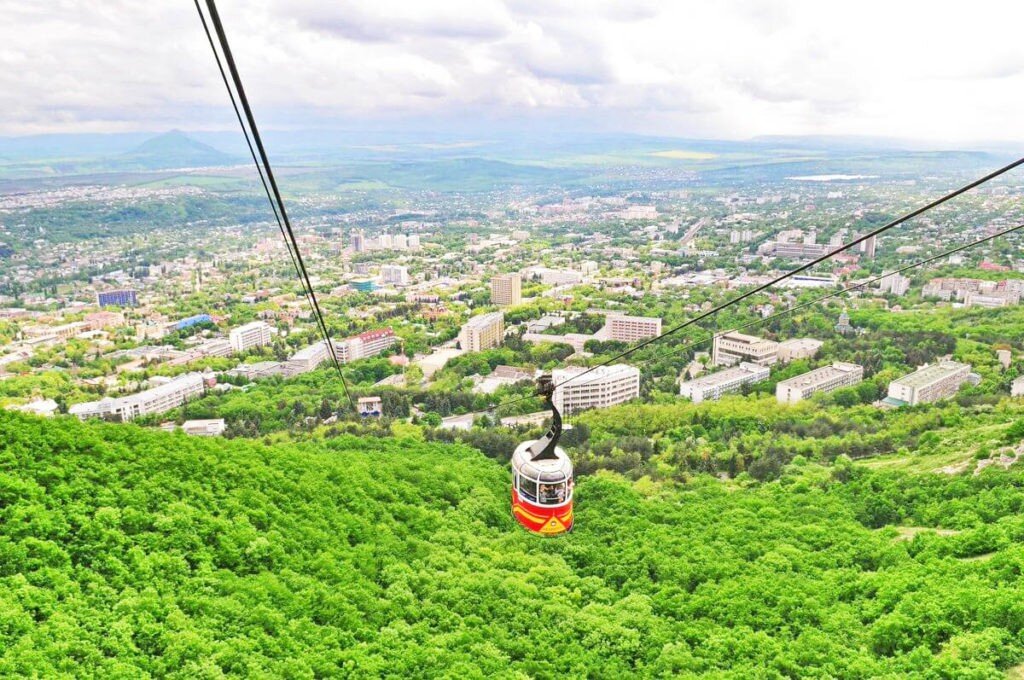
(193, 321)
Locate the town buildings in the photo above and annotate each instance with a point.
(928, 383)
(255, 334)
(633, 328)
(798, 348)
(507, 290)
(364, 345)
(394, 275)
(603, 387)
(824, 379)
(731, 348)
(714, 385)
(159, 399)
(117, 298)
(1017, 387)
(482, 332)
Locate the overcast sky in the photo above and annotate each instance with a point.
(952, 72)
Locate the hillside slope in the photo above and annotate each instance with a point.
(128, 553)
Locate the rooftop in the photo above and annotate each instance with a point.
(931, 373)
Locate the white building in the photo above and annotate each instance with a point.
(171, 394)
(824, 379)
(603, 387)
(483, 332)
(731, 348)
(507, 289)
(368, 344)
(928, 383)
(307, 358)
(896, 284)
(394, 275)
(401, 242)
(798, 348)
(1017, 387)
(714, 385)
(204, 428)
(255, 334)
(633, 328)
(992, 300)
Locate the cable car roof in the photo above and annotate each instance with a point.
(556, 469)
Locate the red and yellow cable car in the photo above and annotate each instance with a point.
(542, 484)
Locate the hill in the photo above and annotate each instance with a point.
(132, 553)
(172, 149)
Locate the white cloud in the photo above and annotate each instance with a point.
(934, 70)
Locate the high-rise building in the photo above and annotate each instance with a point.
(824, 379)
(385, 242)
(171, 394)
(731, 348)
(603, 387)
(714, 385)
(117, 298)
(868, 246)
(894, 283)
(928, 383)
(633, 328)
(358, 241)
(401, 242)
(507, 289)
(255, 334)
(414, 242)
(485, 331)
(395, 275)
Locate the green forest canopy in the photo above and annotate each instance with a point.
(127, 553)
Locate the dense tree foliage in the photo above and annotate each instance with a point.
(126, 553)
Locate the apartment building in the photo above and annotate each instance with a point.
(507, 289)
(368, 344)
(483, 332)
(824, 379)
(307, 358)
(603, 387)
(394, 275)
(714, 385)
(255, 334)
(117, 298)
(159, 399)
(633, 328)
(928, 383)
(731, 348)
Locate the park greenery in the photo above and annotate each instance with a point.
(128, 552)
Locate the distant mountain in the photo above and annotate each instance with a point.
(173, 149)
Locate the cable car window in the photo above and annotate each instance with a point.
(528, 488)
(551, 494)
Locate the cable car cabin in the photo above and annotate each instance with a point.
(542, 482)
(542, 490)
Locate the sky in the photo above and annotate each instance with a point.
(942, 72)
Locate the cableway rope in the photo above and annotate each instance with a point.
(281, 212)
(252, 152)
